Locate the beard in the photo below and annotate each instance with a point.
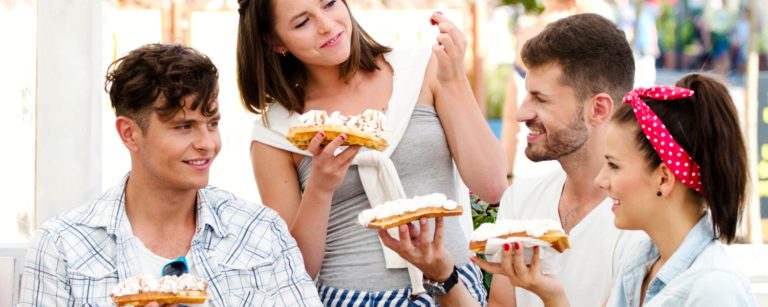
(558, 143)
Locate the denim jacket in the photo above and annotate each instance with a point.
(699, 273)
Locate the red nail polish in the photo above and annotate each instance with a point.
(343, 137)
(536, 247)
(506, 246)
(439, 12)
(517, 246)
(432, 21)
(321, 134)
(472, 259)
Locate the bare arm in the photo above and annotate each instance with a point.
(502, 292)
(306, 215)
(478, 154)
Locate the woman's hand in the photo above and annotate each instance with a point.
(418, 247)
(450, 50)
(153, 304)
(547, 287)
(328, 170)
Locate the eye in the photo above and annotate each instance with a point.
(184, 127)
(303, 22)
(213, 124)
(330, 4)
(612, 166)
(539, 99)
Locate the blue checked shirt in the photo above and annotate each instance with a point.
(243, 250)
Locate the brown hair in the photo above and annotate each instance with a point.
(169, 72)
(706, 126)
(592, 52)
(264, 76)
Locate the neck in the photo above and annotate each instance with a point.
(582, 167)
(670, 227)
(149, 203)
(325, 78)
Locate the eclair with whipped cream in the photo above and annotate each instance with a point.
(368, 129)
(542, 229)
(144, 289)
(403, 211)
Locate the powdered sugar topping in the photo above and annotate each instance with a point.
(370, 121)
(533, 228)
(401, 206)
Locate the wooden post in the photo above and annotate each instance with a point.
(478, 79)
(752, 212)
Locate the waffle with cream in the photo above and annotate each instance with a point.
(144, 289)
(403, 211)
(368, 129)
(543, 229)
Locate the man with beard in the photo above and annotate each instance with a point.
(578, 68)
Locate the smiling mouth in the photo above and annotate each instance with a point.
(534, 132)
(616, 202)
(332, 40)
(197, 162)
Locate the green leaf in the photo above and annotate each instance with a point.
(494, 213)
(484, 206)
(479, 219)
(473, 199)
(479, 208)
(489, 219)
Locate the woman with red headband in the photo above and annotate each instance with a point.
(677, 169)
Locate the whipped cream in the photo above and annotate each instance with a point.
(371, 121)
(533, 228)
(401, 206)
(168, 284)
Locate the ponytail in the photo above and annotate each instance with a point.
(706, 126)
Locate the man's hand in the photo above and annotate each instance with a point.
(418, 247)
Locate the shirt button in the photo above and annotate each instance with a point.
(630, 302)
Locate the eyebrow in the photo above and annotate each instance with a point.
(609, 157)
(216, 117)
(537, 93)
(300, 14)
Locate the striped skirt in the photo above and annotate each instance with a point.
(469, 274)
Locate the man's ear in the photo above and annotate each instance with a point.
(275, 43)
(130, 132)
(601, 108)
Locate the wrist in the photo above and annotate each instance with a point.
(314, 192)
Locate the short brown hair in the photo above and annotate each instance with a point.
(264, 76)
(592, 52)
(706, 126)
(173, 71)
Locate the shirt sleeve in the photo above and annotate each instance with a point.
(293, 285)
(45, 282)
(720, 289)
(505, 205)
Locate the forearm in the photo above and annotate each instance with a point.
(310, 227)
(458, 296)
(481, 159)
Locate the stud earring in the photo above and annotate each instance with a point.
(284, 54)
(658, 193)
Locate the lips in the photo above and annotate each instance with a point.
(332, 42)
(616, 204)
(199, 163)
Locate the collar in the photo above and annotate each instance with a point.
(108, 212)
(695, 242)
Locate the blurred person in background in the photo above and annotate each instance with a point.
(645, 43)
(300, 55)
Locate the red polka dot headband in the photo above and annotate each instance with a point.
(674, 156)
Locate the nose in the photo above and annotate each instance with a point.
(324, 24)
(525, 112)
(602, 181)
(206, 140)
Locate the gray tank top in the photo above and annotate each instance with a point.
(354, 259)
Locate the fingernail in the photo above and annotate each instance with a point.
(517, 246)
(439, 12)
(403, 228)
(432, 21)
(535, 247)
(472, 259)
(343, 137)
(506, 246)
(321, 134)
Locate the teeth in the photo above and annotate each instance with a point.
(616, 202)
(198, 162)
(533, 132)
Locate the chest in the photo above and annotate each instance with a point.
(367, 90)
(167, 245)
(571, 214)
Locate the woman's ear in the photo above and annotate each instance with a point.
(276, 45)
(665, 179)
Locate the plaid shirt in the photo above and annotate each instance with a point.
(244, 251)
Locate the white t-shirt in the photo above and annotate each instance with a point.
(153, 265)
(596, 244)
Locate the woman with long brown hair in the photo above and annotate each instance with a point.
(676, 168)
(294, 56)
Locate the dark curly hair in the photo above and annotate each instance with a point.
(158, 77)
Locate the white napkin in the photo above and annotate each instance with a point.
(548, 255)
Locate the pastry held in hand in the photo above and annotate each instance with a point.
(403, 211)
(144, 289)
(368, 129)
(543, 230)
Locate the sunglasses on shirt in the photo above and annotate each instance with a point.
(176, 267)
